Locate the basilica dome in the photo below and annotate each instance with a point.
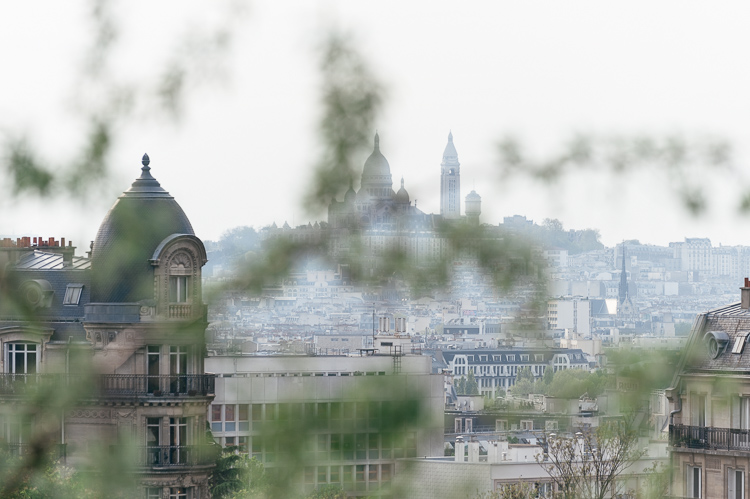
(141, 218)
(402, 196)
(376, 167)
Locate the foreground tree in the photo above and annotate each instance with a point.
(238, 476)
(588, 464)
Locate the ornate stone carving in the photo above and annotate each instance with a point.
(180, 261)
(90, 416)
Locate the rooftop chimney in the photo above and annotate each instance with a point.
(745, 295)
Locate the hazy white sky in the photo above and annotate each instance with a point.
(539, 70)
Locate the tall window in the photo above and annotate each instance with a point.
(741, 413)
(698, 409)
(735, 484)
(178, 452)
(22, 358)
(152, 367)
(693, 481)
(153, 440)
(178, 368)
(15, 433)
(178, 288)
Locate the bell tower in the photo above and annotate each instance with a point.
(450, 182)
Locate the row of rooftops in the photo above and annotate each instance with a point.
(42, 260)
(30, 242)
(39, 253)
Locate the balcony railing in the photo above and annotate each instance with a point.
(142, 384)
(117, 385)
(701, 437)
(180, 311)
(164, 456)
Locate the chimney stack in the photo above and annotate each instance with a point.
(745, 295)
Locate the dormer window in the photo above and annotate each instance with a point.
(177, 262)
(72, 294)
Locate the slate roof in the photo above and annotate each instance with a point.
(65, 320)
(40, 260)
(141, 218)
(731, 325)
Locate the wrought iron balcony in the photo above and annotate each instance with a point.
(116, 385)
(701, 437)
(168, 456)
(189, 385)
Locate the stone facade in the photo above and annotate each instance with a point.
(123, 333)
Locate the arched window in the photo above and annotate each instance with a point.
(180, 269)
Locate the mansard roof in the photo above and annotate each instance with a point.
(575, 355)
(718, 342)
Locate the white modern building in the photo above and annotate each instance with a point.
(340, 407)
(570, 313)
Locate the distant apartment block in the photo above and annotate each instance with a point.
(496, 370)
(570, 313)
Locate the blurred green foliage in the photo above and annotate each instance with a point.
(238, 476)
(352, 100)
(683, 159)
(567, 383)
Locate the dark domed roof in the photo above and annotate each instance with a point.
(141, 218)
(402, 196)
(376, 165)
(473, 196)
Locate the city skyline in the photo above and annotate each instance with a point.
(508, 71)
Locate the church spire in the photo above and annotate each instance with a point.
(377, 142)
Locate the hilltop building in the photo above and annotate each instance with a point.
(387, 220)
(129, 318)
(377, 206)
